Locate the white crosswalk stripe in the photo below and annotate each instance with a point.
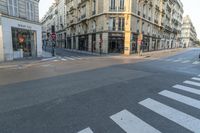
(192, 83)
(187, 121)
(181, 98)
(197, 79)
(186, 61)
(131, 123)
(196, 63)
(187, 89)
(87, 130)
(177, 60)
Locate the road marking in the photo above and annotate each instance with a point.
(75, 57)
(192, 83)
(187, 61)
(63, 59)
(181, 98)
(55, 60)
(183, 119)
(196, 63)
(49, 59)
(188, 89)
(69, 58)
(131, 123)
(177, 60)
(197, 79)
(87, 130)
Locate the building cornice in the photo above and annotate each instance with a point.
(19, 19)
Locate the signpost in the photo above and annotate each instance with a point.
(53, 38)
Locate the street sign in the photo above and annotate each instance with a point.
(53, 36)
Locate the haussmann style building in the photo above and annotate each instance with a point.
(112, 26)
(188, 33)
(20, 30)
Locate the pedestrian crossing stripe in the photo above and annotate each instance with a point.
(176, 60)
(197, 79)
(131, 123)
(187, 89)
(187, 121)
(181, 98)
(192, 83)
(87, 130)
(196, 62)
(187, 61)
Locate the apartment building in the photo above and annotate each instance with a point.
(188, 34)
(20, 30)
(101, 25)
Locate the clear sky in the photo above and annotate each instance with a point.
(44, 6)
(191, 7)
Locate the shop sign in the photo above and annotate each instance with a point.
(24, 26)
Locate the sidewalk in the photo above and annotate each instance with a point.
(25, 61)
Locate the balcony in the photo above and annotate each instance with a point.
(113, 9)
(121, 9)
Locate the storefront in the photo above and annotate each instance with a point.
(83, 43)
(116, 43)
(19, 38)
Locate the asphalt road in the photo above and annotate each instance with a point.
(103, 95)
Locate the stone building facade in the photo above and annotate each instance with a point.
(99, 25)
(20, 30)
(188, 34)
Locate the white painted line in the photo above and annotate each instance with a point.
(197, 79)
(183, 119)
(69, 58)
(192, 83)
(63, 59)
(196, 63)
(181, 98)
(75, 57)
(187, 61)
(49, 59)
(55, 60)
(188, 89)
(177, 60)
(131, 123)
(87, 130)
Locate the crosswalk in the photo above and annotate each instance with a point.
(67, 58)
(182, 61)
(131, 123)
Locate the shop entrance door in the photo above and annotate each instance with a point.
(116, 45)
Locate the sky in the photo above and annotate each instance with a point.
(191, 8)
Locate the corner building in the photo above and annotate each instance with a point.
(20, 30)
(94, 25)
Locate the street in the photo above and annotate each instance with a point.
(81, 93)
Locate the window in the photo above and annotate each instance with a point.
(121, 24)
(112, 25)
(30, 10)
(13, 7)
(112, 4)
(94, 7)
(121, 6)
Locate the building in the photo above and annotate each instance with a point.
(112, 26)
(188, 34)
(20, 30)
